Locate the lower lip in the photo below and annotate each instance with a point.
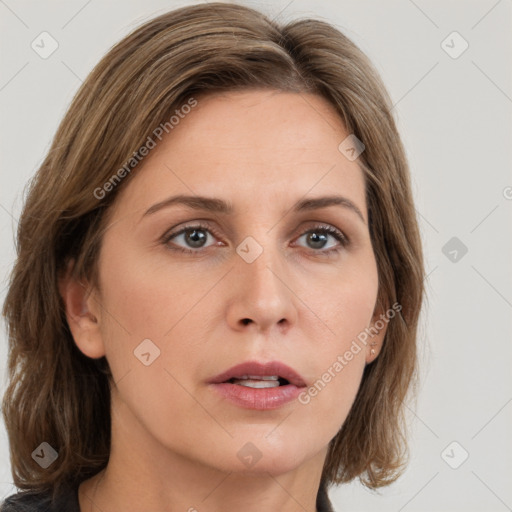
(258, 398)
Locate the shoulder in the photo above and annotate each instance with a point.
(42, 501)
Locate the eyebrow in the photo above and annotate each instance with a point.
(216, 205)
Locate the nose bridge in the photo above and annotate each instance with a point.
(260, 262)
(261, 291)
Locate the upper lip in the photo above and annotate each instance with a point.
(256, 368)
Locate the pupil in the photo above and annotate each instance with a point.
(197, 237)
(315, 238)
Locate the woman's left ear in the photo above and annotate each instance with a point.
(376, 334)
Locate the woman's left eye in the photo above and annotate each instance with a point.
(319, 235)
(196, 236)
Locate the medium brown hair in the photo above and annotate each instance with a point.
(58, 395)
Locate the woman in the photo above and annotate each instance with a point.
(218, 279)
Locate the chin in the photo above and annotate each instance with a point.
(260, 455)
(267, 464)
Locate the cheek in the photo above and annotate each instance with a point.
(346, 309)
(145, 298)
(327, 401)
(343, 304)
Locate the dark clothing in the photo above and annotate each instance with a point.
(67, 501)
(323, 504)
(27, 501)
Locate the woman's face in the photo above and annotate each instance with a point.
(263, 282)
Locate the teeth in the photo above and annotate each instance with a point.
(258, 383)
(263, 377)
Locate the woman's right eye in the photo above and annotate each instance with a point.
(195, 235)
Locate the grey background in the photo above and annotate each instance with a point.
(455, 118)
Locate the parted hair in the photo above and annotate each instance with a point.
(56, 394)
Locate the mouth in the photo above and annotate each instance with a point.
(259, 386)
(254, 381)
(254, 374)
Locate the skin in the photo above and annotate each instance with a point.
(174, 440)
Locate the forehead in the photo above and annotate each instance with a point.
(263, 146)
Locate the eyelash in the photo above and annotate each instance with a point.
(320, 228)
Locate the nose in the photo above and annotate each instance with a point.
(262, 295)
